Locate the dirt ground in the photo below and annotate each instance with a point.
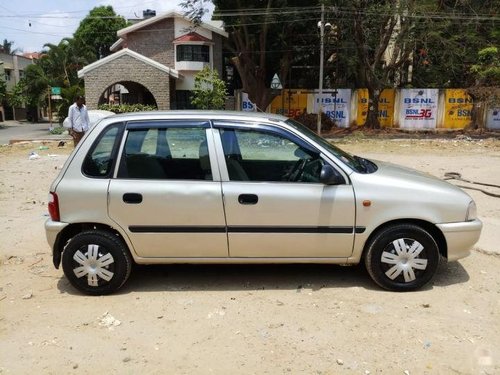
(312, 319)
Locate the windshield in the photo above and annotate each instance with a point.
(354, 162)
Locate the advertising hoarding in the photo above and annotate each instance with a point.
(418, 108)
(457, 109)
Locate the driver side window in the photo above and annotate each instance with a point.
(260, 156)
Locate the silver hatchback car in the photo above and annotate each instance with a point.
(234, 187)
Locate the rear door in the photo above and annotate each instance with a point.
(167, 192)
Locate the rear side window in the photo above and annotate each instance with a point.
(177, 153)
(99, 160)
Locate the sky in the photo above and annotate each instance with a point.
(32, 23)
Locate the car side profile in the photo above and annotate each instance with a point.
(234, 187)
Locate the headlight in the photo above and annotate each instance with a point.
(471, 212)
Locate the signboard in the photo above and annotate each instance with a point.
(336, 104)
(55, 90)
(246, 104)
(385, 107)
(418, 108)
(290, 104)
(457, 109)
(493, 118)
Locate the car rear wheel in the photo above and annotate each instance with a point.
(402, 257)
(96, 262)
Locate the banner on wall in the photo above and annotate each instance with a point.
(246, 104)
(385, 107)
(418, 108)
(290, 104)
(493, 118)
(336, 104)
(457, 109)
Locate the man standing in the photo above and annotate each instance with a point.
(79, 119)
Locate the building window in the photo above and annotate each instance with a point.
(190, 52)
(7, 74)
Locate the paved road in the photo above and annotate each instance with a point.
(15, 130)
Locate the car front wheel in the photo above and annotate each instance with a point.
(402, 257)
(96, 262)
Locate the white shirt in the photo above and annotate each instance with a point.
(78, 118)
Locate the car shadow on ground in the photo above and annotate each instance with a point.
(184, 277)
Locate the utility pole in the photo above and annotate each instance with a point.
(49, 93)
(321, 58)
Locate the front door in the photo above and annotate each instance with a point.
(165, 196)
(275, 204)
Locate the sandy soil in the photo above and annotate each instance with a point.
(313, 319)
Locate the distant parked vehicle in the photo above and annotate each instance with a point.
(95, 115)
(234, 187)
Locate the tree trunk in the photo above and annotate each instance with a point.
(372, 120)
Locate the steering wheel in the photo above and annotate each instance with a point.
(296, 171)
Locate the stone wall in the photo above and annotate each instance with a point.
(126, 68)
(154, 41)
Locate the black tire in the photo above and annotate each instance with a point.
(397, 269)
(104, 254)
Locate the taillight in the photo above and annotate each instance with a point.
(54, 207)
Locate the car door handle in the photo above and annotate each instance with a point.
(132, 198)
(248, 199)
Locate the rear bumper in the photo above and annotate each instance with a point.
(52, 231)
(460, 237)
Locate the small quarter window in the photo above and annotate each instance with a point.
(99, 161)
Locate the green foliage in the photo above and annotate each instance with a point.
(125, 108)
(3, 90)
(487, 71)
(97, 31)
(36, 85)
(6, 47)
(16, 97)
(62, 61)
(57, 130)
(267, 37)
(209, 90)
(446, 46)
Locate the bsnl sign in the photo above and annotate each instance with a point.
(332, 100)
(418, 101)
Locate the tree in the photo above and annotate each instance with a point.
(6, 47)
(382, 32)
(36, 86)
(209, 90)
(61, 62)
(3, 90)
(447, 39)
(264, 39)
(486, 89)
(97, 31)
(16, 97)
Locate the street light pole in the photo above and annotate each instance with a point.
(321, 58)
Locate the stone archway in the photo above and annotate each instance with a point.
(127, 92)
(127, 68)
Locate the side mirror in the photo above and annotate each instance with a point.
(329, 176)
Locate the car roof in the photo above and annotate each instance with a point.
(200, 115)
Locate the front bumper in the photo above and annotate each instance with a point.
(460, 237)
